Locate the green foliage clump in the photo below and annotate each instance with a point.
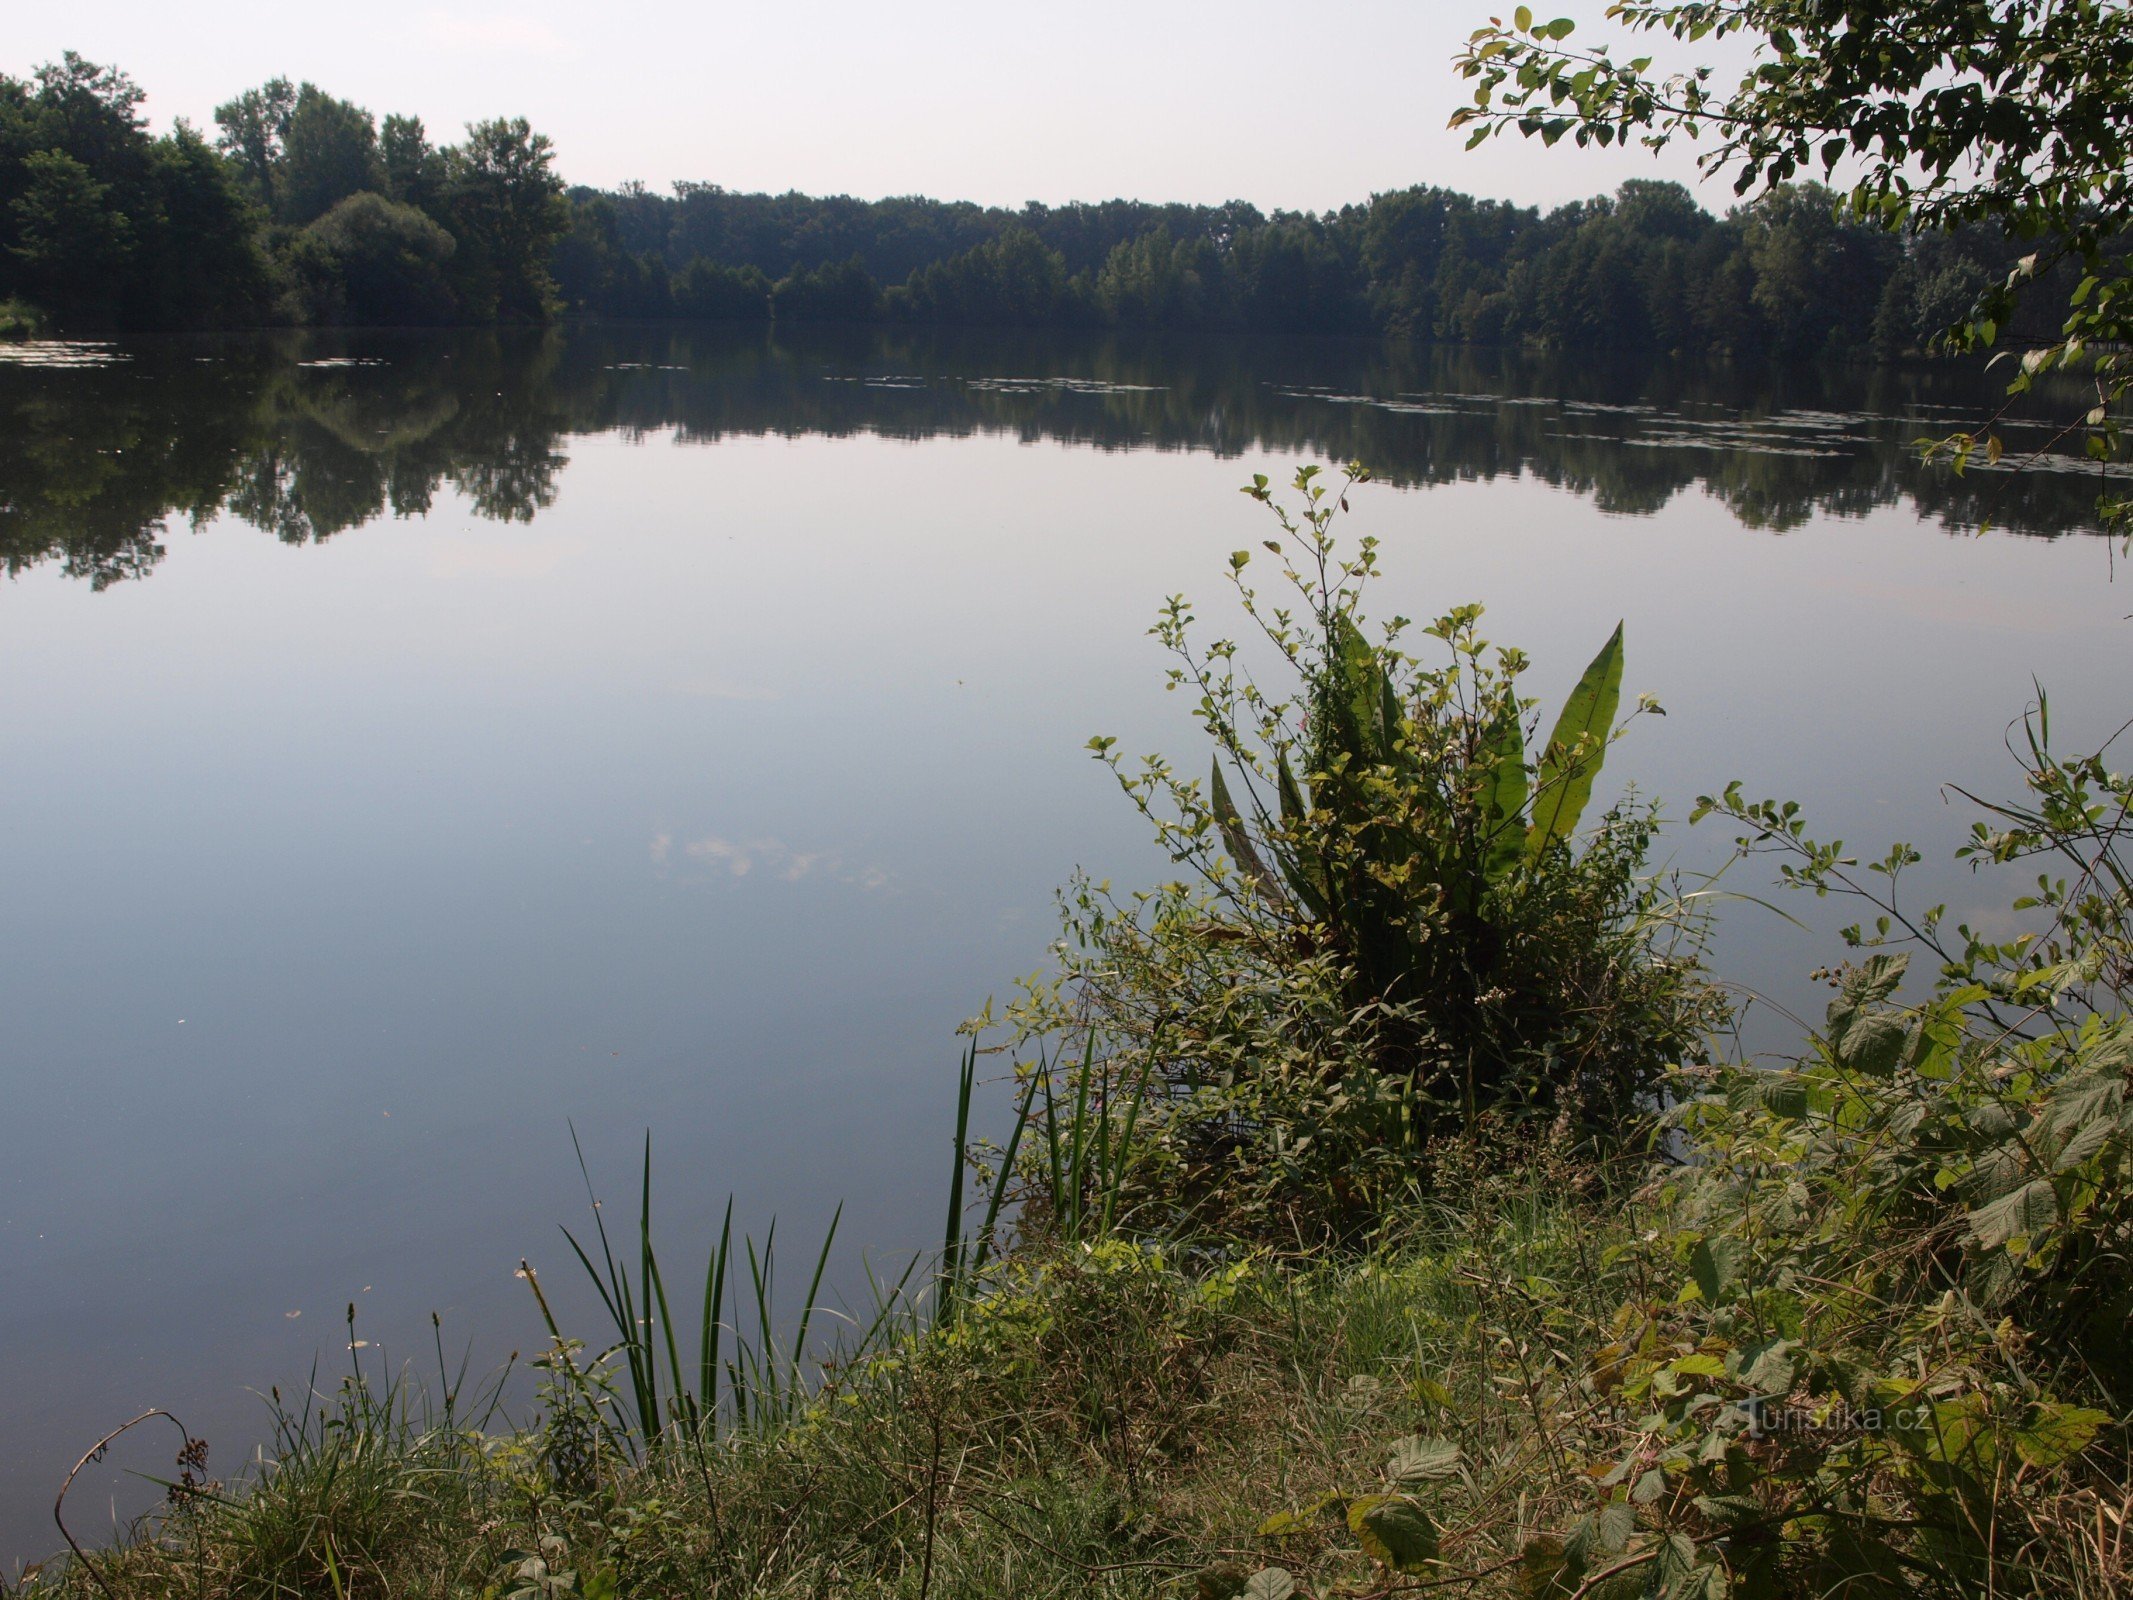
(714, 293)
(840, 291)
(1887, 1352)
(102, 224)
(372, 262)
(1982, 119)
(1392, 931)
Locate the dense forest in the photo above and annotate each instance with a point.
(306, 209)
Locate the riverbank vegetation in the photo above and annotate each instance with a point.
(301, 208)
(1382, 1213)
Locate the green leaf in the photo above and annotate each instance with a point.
(1572, 757)
(1395, 1530)
(1731, 1510)
(1363, 692)
(2058, 1434)
(1283, 1523)
(1613, 1527)
(1420, 1458)
(1305, 877)
(1715, 1264)
(1542, 1567)
(1302, 1519)
(1522, 19)
(1293, 810)
(1503, 794)
(2019, 1216)
(1236, 839)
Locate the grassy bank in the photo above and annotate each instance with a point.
(1110, 1419)
(1104, 1419)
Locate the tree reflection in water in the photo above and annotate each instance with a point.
(309, 436)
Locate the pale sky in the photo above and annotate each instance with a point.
(1303, 106)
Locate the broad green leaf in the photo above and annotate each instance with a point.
(1571, 759)
(1394, 1530)
(1305, 877)
(1363, 691)
(1731, 1510)
(2019, 1216)
(1503, 794)
(1301, 1519)
(1542, 1567)
(1283, 1523)
(1269, 1583)
(1714, 1264)
(2059, 1433)
(1769, 1367)
(1613, 1527)
(1420, 1458)
(1293, 809)
(1236, 839)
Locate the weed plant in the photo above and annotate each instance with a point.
(1389, 927)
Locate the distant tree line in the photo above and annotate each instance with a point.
(1647, 266)
(305, 209)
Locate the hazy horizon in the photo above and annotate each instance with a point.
(1157, 102)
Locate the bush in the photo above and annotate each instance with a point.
(1392, 930)
(718, 293)
(371, 262)
(835, 292)
(1885, 1349)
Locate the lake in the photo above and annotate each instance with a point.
(420, 746)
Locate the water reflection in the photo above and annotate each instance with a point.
(308, 437)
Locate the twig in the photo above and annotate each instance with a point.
(190, 1451)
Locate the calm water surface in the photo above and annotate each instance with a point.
(417, 746)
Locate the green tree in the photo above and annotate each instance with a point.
(1158, 281)
(1935, 114)
(721, 294)
(1014, 280)
(840, 292)
(372, 262)
(414, 172)
(201, 260)
(329, 152)
(72, 245)
(505, 207)
(254, 126)
(1819, 274)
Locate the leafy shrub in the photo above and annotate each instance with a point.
(718, 293)
(1391, 929)
(372, 261)
(1885, 1352)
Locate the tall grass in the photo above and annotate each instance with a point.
(1077, 1173)
(740, 1376)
